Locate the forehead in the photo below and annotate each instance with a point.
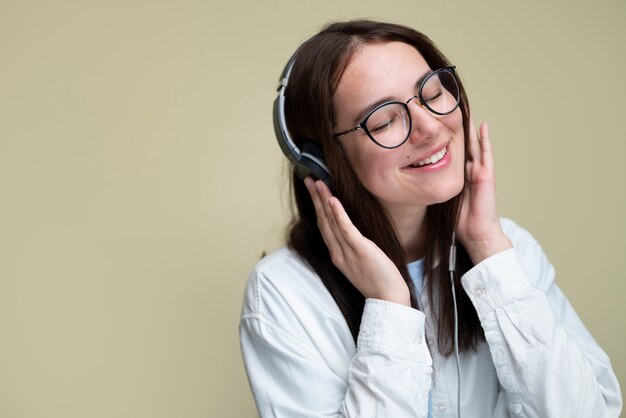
(376, 71)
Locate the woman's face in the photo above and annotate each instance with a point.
(403, 177)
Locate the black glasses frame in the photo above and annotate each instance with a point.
(422, 102)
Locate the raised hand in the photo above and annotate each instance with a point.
(358, 258)
(478, 228)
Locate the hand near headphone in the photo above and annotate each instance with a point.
(478, 228)
(359, 259)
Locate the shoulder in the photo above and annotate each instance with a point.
(282, 272)
(519, 236)
(529, 252)
(287, 305)
(283, 264)
(282, 287)
(522, 240)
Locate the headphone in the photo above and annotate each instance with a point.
(310, 160)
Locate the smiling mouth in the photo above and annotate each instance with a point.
(432, 159)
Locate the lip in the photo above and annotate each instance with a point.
(444, 162)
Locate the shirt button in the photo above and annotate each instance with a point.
(499, 354)
(516, 407)
(442, 407)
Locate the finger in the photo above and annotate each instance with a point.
(322, 219)
(473, 144)
(349, 233)
(317, 202)
(485, 144)
(325, 194)
(326, 198)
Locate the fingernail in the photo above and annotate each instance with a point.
(308, 182)
(319, 185)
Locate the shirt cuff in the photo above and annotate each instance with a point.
(496, 281)
(395, 329)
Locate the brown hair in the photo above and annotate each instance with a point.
(309, 112)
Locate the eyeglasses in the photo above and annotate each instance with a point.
(389, 124)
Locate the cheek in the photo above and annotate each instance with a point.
(454, 122)
(368, 168)
(370, 165)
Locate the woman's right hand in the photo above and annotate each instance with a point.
(358, 258)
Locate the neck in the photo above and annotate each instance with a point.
(410, 226)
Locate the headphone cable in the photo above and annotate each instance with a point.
(451, 268)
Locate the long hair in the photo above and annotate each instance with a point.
(310, 117)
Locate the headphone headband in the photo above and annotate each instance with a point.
(289, 148)
(310, 160)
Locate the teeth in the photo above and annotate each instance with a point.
(432, 159)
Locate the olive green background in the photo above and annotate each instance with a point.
(140, 179)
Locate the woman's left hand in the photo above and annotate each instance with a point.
(478, 228)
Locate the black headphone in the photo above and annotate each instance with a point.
(310, 160)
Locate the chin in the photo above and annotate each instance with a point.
(449, 193)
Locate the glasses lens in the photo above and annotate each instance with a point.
(440, 92)
(389, 125)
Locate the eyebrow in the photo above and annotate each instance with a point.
(367, 109)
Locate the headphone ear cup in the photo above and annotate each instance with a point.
(312, 163)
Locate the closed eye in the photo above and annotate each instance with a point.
(434, 97)
(385, 125)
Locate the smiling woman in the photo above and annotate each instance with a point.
(357, 315)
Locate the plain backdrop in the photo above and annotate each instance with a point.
(140, 179)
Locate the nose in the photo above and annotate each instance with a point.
(425, 124)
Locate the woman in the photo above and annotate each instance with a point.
(356, 316)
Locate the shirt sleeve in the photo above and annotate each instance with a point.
(389, 375)
(547, 362)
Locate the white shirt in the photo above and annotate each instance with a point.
(538, 360)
